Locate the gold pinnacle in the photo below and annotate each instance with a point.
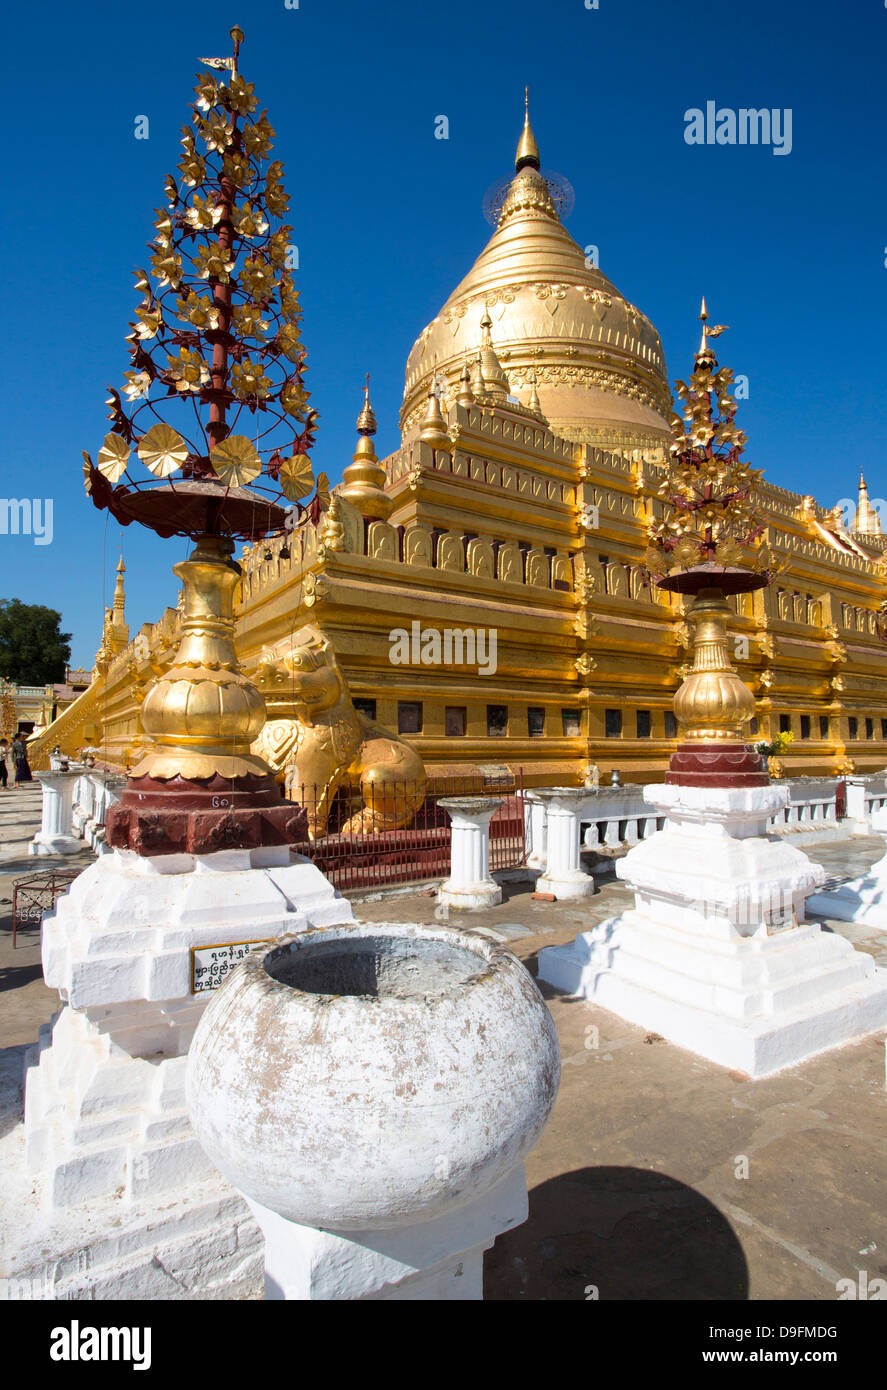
(703, 314)
(527, 150)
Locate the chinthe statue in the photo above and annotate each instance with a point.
(327, 742)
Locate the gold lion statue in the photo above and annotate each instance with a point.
(329, 742)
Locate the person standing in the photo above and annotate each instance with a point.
(4, 753)
(20, 758)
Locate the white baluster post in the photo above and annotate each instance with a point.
(469, 884)
(55, 835)
(563, 875)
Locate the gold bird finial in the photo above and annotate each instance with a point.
(227, 64)
(714, 332)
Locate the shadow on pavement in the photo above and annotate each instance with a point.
(628, 1233)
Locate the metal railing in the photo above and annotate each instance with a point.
(35, 894)
(356, 852)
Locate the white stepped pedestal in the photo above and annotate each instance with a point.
(106, 1130)
(56, 833)
(469, 884)
(862, 899)
(714, 955)
(564, 876)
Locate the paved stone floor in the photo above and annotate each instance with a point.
(659, 1176)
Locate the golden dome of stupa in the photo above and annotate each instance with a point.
(557, 324)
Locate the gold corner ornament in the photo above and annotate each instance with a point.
(162, 450)
(235, 461)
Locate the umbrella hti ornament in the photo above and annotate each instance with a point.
(210, 439)
(708, 544)
(216, 355)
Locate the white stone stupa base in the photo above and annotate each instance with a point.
(715, 955)
(434, 1260)
(106, 1136)
(863, 899)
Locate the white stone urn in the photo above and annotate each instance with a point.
(365, 1079)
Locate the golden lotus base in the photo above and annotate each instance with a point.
(183, 763)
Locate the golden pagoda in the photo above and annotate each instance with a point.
(519, 506)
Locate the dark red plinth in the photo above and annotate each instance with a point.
(182, 815)
(716, 765)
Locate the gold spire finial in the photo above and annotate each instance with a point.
(363, 481)
(478, 385)
(867, 522)
(366, 420)
(527, 150)
(433, 429)
(466, 395)
(703, 315)
(704, 348)
(495, 380)
(118, 635)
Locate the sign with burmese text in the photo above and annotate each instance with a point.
(210, 965)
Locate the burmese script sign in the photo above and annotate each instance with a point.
(210, 965)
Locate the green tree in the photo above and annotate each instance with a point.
(33, 649)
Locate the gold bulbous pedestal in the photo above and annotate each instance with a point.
(713, 706)
(204, 713)
(201, 789)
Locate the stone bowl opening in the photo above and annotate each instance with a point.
(383, 967)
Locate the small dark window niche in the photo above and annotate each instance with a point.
(455, 717)
(570, 723)
(497, 721)
(409, 716)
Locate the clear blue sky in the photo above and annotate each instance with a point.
(789, 250)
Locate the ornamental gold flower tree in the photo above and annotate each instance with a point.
(215, 410)
(708, 544)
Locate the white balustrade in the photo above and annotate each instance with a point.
(617, 817)
(95, 791)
